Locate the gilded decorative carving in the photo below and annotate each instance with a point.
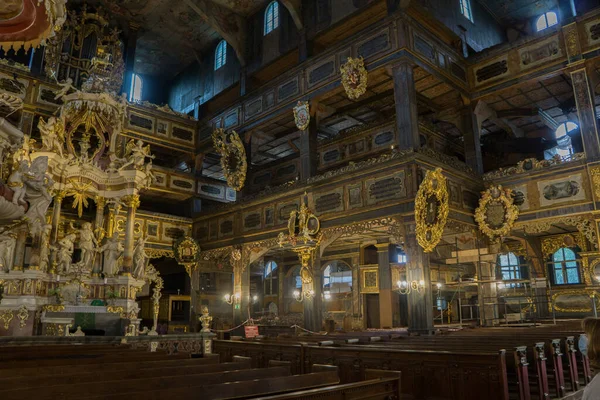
(354, 77)
(582, 223)
(302, 115)
(551, 244)
(233, 157)
(571, 40)
(132, 201)
(115, 309)
(23, 315)
(496, 214)
(6, 317)
(80, 193)
(158, 253)
(579, 292)
(431, 210)
(595, 173)
(530, 164)
(187, 253)
(450, 161)
(53, 308)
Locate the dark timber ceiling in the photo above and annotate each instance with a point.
(508, 12)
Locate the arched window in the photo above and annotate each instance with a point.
(220, 54)
(135, 91)
(270, 278)
(509, 267)
(271, 17)
(546, 20)
(337, 278)
(465, 9)
(564, 266)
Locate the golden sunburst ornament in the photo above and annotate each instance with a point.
(80, 196)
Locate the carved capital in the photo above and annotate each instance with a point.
(132, 201)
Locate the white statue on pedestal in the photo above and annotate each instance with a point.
(112, 250)
(16, 182)
(139, 258)
(87, 244)
(52, 135)
(65, 252)
(8, 241)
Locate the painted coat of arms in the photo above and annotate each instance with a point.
(354, 77)
(302, 115)
(496, 213)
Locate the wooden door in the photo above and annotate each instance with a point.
(372, 301)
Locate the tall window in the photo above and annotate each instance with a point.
(135, 91)
(509, 267)
(220, 54)
(271, 17)
(546, 21)
(401, 257)
(465, 9)
(327, 277)
(271, 278)
(564, 263)
(564, 148)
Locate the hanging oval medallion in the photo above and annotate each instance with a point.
(431, 210)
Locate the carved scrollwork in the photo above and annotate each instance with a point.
(496, 214)
(354, 77)
(233, 157)
(431, 210)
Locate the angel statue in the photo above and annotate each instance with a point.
(37, 183)
(8, 241)
(66, 86)
(112, 251)
(137, 154)
(65, 252)
(16, 181)
(52, 135)
(140, 259)
(87, 244)
(150, 177)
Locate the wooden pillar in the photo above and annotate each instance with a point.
(586, 114)
(243, 75)
(385, 286)
(405, 96)
(312, 307)
(132, 202)
(472, 139)
(308, 151)
(303, 45)
(280, 290)
(356, 311)
(56, 215)
(241, 288)
(420, 302)
(130, 56)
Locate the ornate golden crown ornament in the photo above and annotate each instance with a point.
(233, 157)
(496, 213)
(302, 115)
(431, 210)
(354, 77)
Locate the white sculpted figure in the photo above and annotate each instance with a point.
(8, 241)
(139, 258)
(87, 244)
(52, 134)
(45, 248)
(112, 250)
(150, 177)
(16, 181)
(65, 252)
(66, 86)
(137, 154)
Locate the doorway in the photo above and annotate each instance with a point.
(372, 301)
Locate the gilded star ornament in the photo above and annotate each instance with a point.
(81, 198)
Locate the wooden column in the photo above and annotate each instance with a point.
(385, 286)
(405, 96)
(303, 46)
(56, 215)
(280, 290)
(308, 151)
(312, 307)
(132, 202)
(472, 139)
(241, 286)
(420, 303)
(586, 114)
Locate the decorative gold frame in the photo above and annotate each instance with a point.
(429, 235)
(354, 77)
(230, 145)
(369, 289)
(496, 194)
(581, 292)
(300, 124)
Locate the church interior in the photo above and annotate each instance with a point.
(283, 199)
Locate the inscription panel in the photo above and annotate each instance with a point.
(329, 202)
(385, 188)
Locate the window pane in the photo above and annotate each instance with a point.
(503, 260)
(298, 282)
(558, 274)
(551, 18)
(572, 275)
(558, 256)
(541, 23)
(569, 254)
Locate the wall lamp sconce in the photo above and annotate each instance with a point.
(327, 295)
(300, 296)
(254, 298)
(235, 299)
(405, 287)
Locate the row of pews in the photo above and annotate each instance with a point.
(493, 364)
(116, 372)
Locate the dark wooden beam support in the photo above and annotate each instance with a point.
(586, 112)
(405, 96)
(472, 139)
(420, 303)
(308, 151)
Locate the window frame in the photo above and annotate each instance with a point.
(269, 278)
(512, 269)
(135, 78)
(544, 17)
(220, 55)
(564, 269)
(466, 10)
(271, 20)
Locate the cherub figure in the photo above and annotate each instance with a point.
(52, 135)
(66, 86)
(137, 154)
(16, 181)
